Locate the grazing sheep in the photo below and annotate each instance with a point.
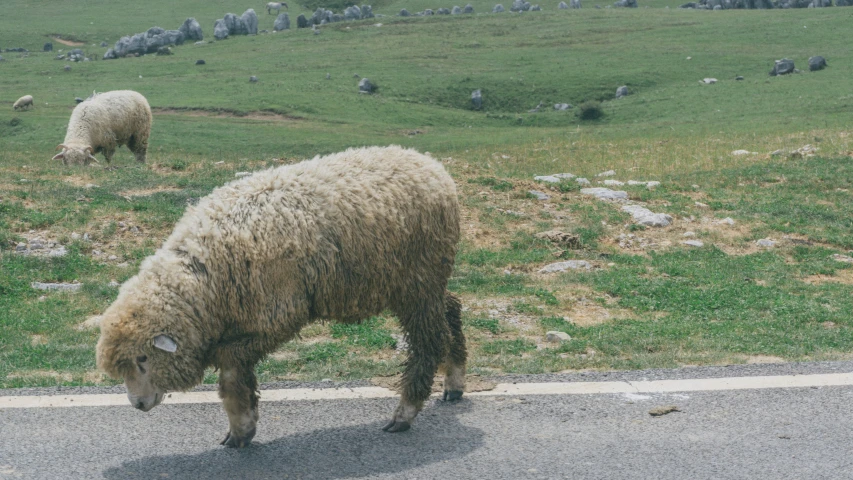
(340, 237)
(104, 122)
(25, 101)
(275, 6)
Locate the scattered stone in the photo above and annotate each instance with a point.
(535, 8)
(766, 243)
(562, 6)
(547, 178)
(468, 9)
(520, 6)
(689, 234)
(78, 100)
(476, 99)
(62, 287)
(164, 51)
(404, 13)
(708, 81)
(700, 205)
(842, 258)
(659, 411)
(112, 258)
(738, 153)
(621, 91)
(21, 247)
(282, 22)
(608, 173)
(605, 193)
(539, 195)
(567, 265)
(57, 252)
(220, 29)
(816, 63)
(113, 284)
(644, 216)
(613, 183)
(536, 108)
(557, 337)
(200, 62)
(583, 181)
(67, 68)
(48, 47)
(455, 10)
(498, 9)
(568, 240)
(75, 236)
(562, 106)
(693, 243)
(401, 344)
(726, 221)
(253, 79)
(191, 30)
(564, 176)
(366, 86)
(576, 4)
(242, 174)
(739, 78)
(301, 21)
(782, 67)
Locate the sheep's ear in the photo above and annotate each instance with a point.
(59, 156)
(61, 147)
(165, 343)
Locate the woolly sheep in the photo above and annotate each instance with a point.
(25, 101)
(275, 6)
(340, 237)
(104, 122)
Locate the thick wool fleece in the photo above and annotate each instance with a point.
(25, 101)
(338, 237)
(105, 122)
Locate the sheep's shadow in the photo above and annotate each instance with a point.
(344, 452)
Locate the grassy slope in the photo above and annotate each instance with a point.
(670, 128)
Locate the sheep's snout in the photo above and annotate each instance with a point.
(145, 403)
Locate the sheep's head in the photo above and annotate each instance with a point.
(143, 343)
(75, 156)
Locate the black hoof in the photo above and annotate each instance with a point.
(394, 426)
(452, 395)
(233, 441)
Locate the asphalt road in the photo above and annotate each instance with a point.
(796, 433)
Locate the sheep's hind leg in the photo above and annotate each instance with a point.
(238, 389)
(427, 333)
(454, 362)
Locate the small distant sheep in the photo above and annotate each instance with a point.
(275, 6)
(104, 122)
(340, 237)
(24, 102)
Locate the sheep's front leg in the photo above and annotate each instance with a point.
(238, 389)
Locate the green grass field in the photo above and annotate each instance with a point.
(648, 301)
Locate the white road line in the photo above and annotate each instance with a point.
(502, 389)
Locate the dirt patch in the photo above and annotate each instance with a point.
(224, 113)
(36, 340)
(473, 383)
(69, 43)
(755, 359)
(65, 377)
(284, 356)
(844, 277)
(94, 376)
(145, 192)
(84, 181)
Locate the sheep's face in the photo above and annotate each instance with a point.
(141, 391)
(75, 156)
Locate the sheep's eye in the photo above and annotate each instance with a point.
(141, 359)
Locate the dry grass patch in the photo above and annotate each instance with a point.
(34, 374)
(844, 277)
(145, 192)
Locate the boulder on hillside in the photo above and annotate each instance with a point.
(282, 22)
(191, 30)
(817, 63)
(782, 67)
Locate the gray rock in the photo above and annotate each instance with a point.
(535, 8)
(191, 30)
(468, 9)
(644, 216)
(519, 6)
(567, 265)
(402, 345)
(67, 68)
(539, 195)
(250, 21)
(110, 54)
(817, 63)
(318, 16)
(476, 100)
(547, 179)
(782, 67)
(622, 91)
(626, 4)
(583, 181)
(726, 221)
(164, 51)
(234, 24)
(112, 258)
(57, 252)
(498, 9)
(738, 78)
(85, 237)
(301, 21)
(103, 44)
(575, 4)
(282, 22)
(842, 258)
(366, 86)
(455, 10)
(613, 183)
(48, 47)
(61, 287)
(766, 243)
(693, 243)
(220, 30)
(562, 106)
(366, 11)
(200, 62)
(605, 193)
(557, 337)
(562, 6)
(564, 176)
(428, 12)
(708, 81)
(404, 13)
(253, 79)
(608, 173)
(328, 76)
(443, 11)
(154, 31)
(21, 247)
(352, 13)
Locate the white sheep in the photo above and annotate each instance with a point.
(25, 101)
(104, 122)
(340, 237)
(275, 6)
